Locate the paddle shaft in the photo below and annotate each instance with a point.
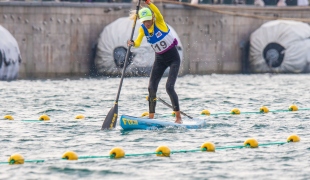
(127, 54)
(111, 118)
(165, 103)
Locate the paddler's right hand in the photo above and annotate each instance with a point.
(130, 43)
(147, 2)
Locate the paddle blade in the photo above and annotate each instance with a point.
(110, 119)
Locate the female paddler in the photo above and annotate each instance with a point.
(158, 34)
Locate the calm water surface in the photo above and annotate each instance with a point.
(62, 100)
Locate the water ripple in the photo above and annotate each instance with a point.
(62, 100)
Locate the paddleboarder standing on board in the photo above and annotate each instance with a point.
(158, 34)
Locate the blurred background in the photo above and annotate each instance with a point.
(52, 39)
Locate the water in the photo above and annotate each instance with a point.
(62, 100)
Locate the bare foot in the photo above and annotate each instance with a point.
(151, 115)
(178, 121)
(178, 118)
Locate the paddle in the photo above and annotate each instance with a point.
(111, 118)
(165, 103)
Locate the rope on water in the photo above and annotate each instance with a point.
(262, 110)
(116, 153)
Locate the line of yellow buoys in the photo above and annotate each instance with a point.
(43, 117)
(162, 151)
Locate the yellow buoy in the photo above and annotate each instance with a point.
(207, 146)
(251, 142)
(163, 151)
(263, 109)
(70, 155)
(173, 114)
(117, 152)
(8, 117)
(205, 112)
(80, 116)
(16, 159)
(44, 117)
(145, 114)
(235, 111)
(293, 108)
(293, 138)
(147, 98)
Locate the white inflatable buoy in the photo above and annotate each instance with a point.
(9, 55)
(112, 48)
(280, 46)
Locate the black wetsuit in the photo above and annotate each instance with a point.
(171, 59)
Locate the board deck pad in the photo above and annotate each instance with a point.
(131, 123)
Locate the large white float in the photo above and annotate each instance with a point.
(9, 55)
(280, 46)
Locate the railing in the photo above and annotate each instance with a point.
(226, 2)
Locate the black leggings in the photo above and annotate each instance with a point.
(171, 59)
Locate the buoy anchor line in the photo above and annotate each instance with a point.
(161, 151)
(42, 118)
